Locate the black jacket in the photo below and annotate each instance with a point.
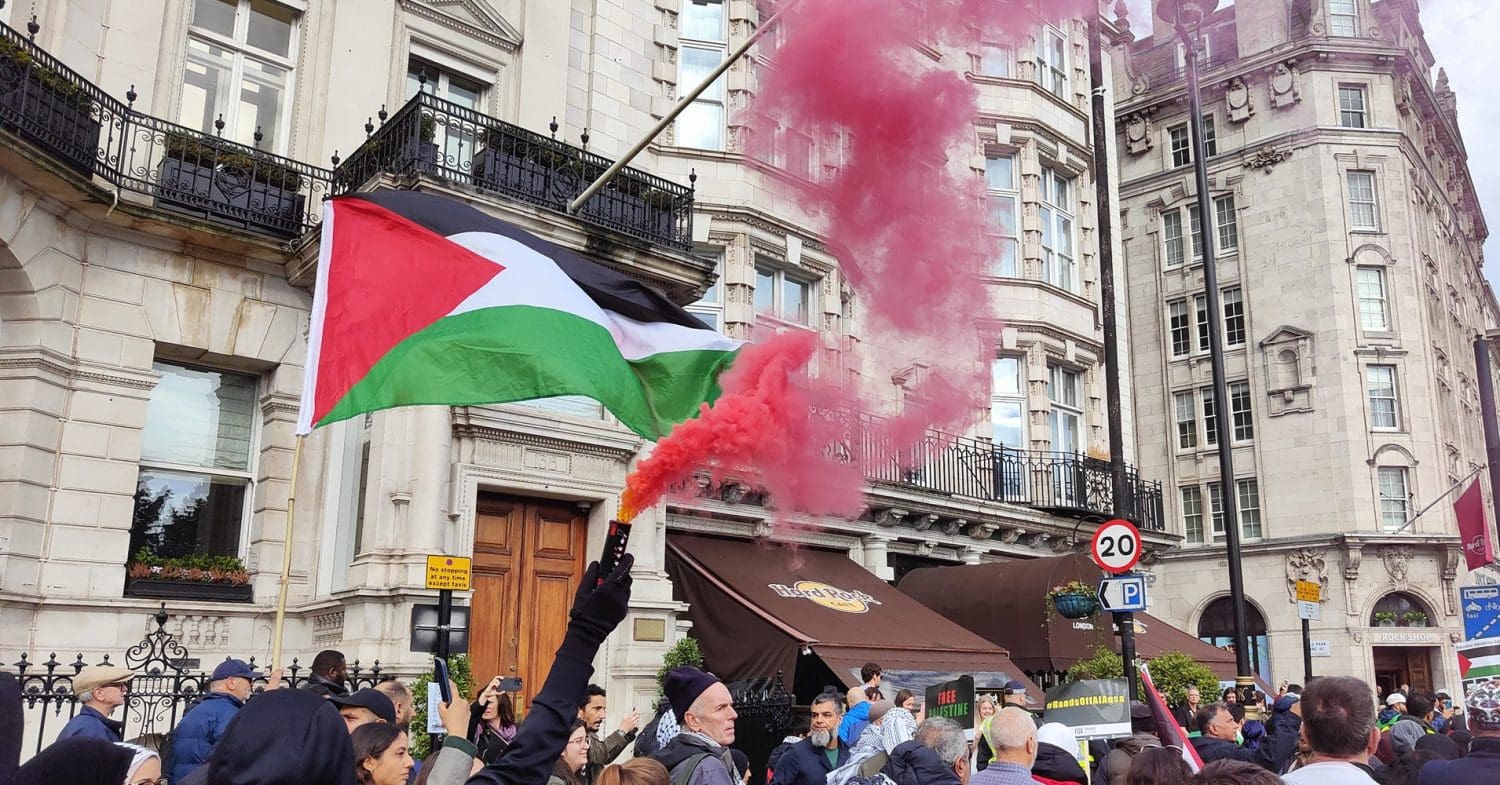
(12, 725)
(1275, 750)
(805, 764)
(1480, 767)
(325, 687)
(283, 737)
(913, 764)
(1056, 763)
(776, 755)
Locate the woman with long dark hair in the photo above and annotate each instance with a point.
(381, 756)
(1158, 766)
(575, 755)
(493, 723)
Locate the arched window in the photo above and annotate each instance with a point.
(1216, 627)
(1399, 609)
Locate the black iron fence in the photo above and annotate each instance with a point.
(167, 683)
(765, 713)
(84, 129)
(1062, 482)
(435, 137)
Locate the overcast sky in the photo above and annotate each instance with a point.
(1463, 40)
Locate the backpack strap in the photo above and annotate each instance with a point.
(684, 771)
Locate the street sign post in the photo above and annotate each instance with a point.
(1309, 608)
(1116, 546)
(1481, 609)
(1123, 593)
(447, 574)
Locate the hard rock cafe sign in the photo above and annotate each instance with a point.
(830, 597)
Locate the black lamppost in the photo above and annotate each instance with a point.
(1187, 16)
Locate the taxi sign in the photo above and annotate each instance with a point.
(1309, 591)
(448, 572)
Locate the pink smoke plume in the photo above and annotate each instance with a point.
(907, 219)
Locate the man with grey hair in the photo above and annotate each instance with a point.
(937, 755)
(1012, 735)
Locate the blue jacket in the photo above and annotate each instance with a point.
(1480, 767)
(804, 764)
(199, 731)
(90, 724)
(854, 723)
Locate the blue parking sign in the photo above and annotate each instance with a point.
(1481, 608)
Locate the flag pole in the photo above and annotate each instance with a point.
(682, 103)
(286, 555)
(1440, 497)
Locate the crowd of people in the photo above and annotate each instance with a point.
(1332, 732)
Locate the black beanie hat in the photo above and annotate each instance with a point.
(683, 686)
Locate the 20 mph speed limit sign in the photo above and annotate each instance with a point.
(1117, 546)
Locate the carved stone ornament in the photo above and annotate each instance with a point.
(1286, 86)
(1238, 99)
(1397, 559)
(764, 529)
(954, 525)
(891, 516)
(925, 548)
(983, 531)
(1306, 564)
(924, 522)
(1138, 136)
(1266, 158)
(1010, 535)
(1038, 539)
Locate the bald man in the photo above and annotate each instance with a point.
(1012, 734)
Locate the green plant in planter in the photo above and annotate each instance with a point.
(1073, 588)
(462, 674)
(1415, 618)
(428, 128)
(196, 567)
(1385, 618)
(55, 82)
(231, 160)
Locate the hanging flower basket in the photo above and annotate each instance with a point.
(1074, 600)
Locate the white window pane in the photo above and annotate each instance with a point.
(271, 27)
(215, 15)
(464, 92)
(179, 513)
(794, 301)
(1007, 423)
(703, 20)
(1005, 376)
(701, 125)
(198, 417)
(994, 60)
(999, 172)
(1192, 514)
(1171, 229)
(695, 66)
(205, 83)
(765, 291)
(260, 103)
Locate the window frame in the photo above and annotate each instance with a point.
(1245, 489)
(239, 48)
(1180, 328)
(1188, 436)
(711, 304)
(1059, 408)
(1232, 310)
(1059, 221)
(1335, 17)
(1181, 248)
(998, 194)
(1388, 503)
(993, 52)
(1353, 118)
(718, 46)
(780, 276)
(252, 450)
(1060, 81)
(1017, 398)
(1377, 404)
(1373, 202)
(1362, 299)
(1189, 527)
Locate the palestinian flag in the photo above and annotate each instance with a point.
(1167, 729)
(422, 299)
(1479, 659)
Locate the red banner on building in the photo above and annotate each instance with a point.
(1473, 528)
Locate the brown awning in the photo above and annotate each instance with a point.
(754, 607)
(1005, 603)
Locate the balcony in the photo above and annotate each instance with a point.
(1065, 484)
(78, 128)
(432, 137)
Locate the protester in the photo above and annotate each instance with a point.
(856, 718)
(1481, 766)
(400, 696)
(658, 731)
(906, 699)
(1220, 731)
(984, 712)
(741, 765)
(365, 706)
(1158, 766)
(636, 771)
(1395, 706)
(202, 727)
(1230, 696)
(1338, 723)
(938, 754)
(704, 708)
(810, 760)
(1414, 724)
(568, 770)
(1116, 764)
(1012, 734)
(381, 754)
(801, 726)
(1408, 768)
(328, 674)
(283, 737)
(80, 760)
(1056, 762)
(592, 710)
(1186, 714)
(101, 689)
(493, 717)
(871, 675)
(598, 607)
(1462, 738)
(1234, 772)
(868, 746)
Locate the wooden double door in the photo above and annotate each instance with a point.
(1398, 665)
(529, 555)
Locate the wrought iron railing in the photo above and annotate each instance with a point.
(164, 688)
(439, 138)
(85, 129)
(1062, 482)
(765, 714)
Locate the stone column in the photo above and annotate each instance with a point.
(876, 551)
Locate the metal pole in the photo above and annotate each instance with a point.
(1244, 679)
(1125, 623)
(1105, 228)
(444, 622)
(682, 103)
(1440, 497)
(286, 556)
(1487, 412)
(1306, 652)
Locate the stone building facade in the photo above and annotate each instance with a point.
(1348, 242)
(152, 337)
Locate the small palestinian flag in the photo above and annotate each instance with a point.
(1479, 660)
(422, 299)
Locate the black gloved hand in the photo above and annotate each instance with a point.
(600, 607)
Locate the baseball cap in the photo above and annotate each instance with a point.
(95, 676)
(1394, 698)
(368, 698)
(232, 668)
(1015, 687)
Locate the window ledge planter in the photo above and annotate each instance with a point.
(48, 110)
(223, 183)
(148, 576)
(170, 589)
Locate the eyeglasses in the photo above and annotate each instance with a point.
(583, 740)
(158, 781)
